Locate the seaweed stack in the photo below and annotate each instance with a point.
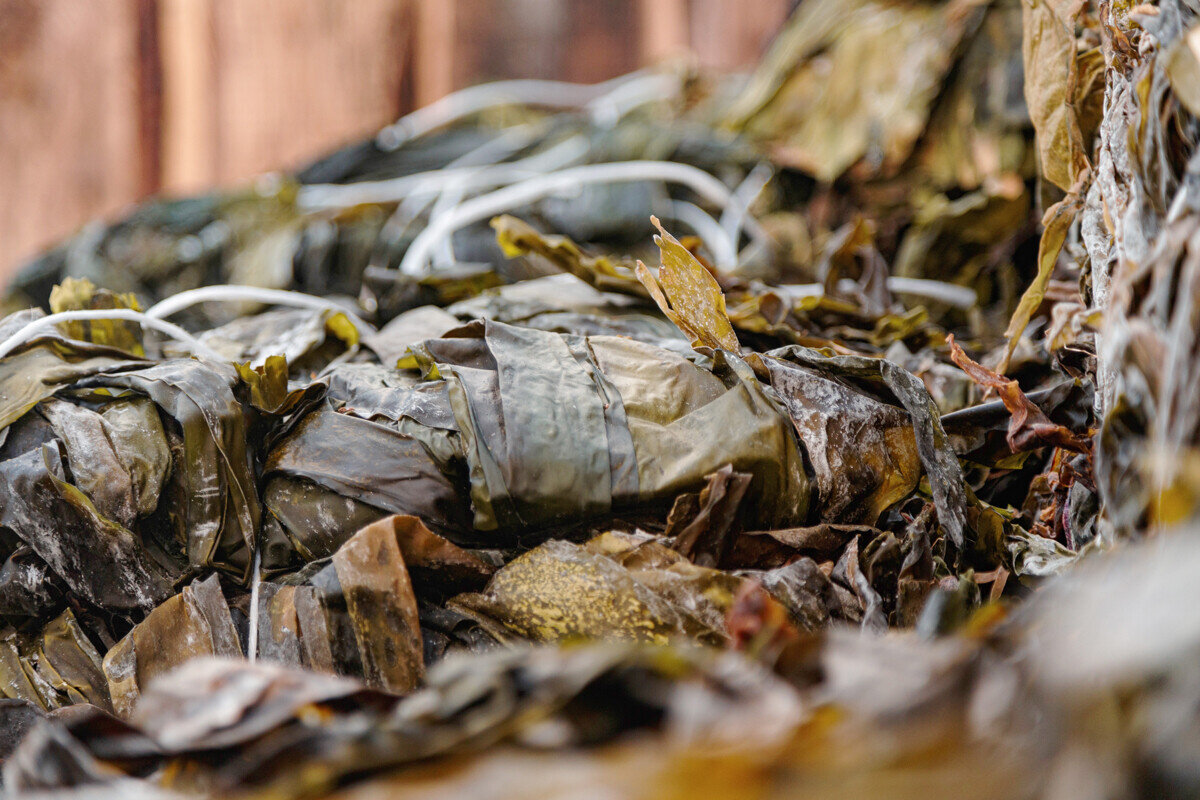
(828, 430)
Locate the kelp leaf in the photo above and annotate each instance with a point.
(340, 326)
(268, 389)
(101, 561)
(382, 609)
(212, 479)
(178, 711)
(518, 238)
(96, 468)
(933, 446)
(308, 338)
(79, 294)
(704, 536)
(433, 562)
(194, 623)
(1051, 77)
(1056, 223)
(39, 370)
(1183, 69)
(1029, 428)
(689, 295)
(608, 588)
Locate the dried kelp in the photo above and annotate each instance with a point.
(831, 487)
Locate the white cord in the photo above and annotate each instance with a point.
(705, 227)
(255, 582)
(416, 260)
(449, 199)
(942, 292)
(321, 197)
(607, 102)
(32, 329)
(948, 293)
(565, 153)
(744, 196)
(548, 94)
(254, 294)
(608, 109)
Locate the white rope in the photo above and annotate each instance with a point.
(744, 196)
(255, 294)
(416, 259)
(607, 102)
(608, 109)
(321, 197)
(48, 322)
(450, 198)
(565, 153)
(255, 582)
(948, 293)
(547, 94)
(942, 292)
(706, 228)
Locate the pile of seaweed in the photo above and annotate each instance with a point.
(432, 469)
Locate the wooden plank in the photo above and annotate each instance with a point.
(503, 39)
(149, 96)
(69, 130)
(733, 34)
(601, 40)
(436, 49)
(577, 41)
(257, 85)
(664, 29)
(188, 126)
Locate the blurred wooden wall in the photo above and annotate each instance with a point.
(104, 102)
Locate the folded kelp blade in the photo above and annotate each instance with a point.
(703, 526)
(119, 455)
(563, 304)
(560, 428)
(46, 364)
(862, 448)
(75, 294)
(56, 667)
(294, 733)
(351, 465)
(193, 623)
(353, 613)
(307, 338)
(887, 380)
(102, 562)
(1030, 427)
(212, 472)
